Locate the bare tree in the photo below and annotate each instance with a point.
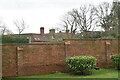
(21, 25)
(83, 18)
(4, 29)
(103, 14)
(69, 22)
(86, 18)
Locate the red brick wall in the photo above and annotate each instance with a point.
(96, 48)
(9, 66)
(36, 59)
(41, 59)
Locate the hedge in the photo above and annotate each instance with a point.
(13, 39)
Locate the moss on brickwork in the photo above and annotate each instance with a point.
(49, 43)
(93, 39)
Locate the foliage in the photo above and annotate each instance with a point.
(7, 39)
(116, 60)
(102, 35)
(82, 64)
(13, 39)
(20, 39)
(93, 35)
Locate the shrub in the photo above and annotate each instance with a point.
(116, 60)
(13, 39)
(7, 39)
(20, 39)
(82, 64)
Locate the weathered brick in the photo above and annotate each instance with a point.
(36, 59)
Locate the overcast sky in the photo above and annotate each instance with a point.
(39, 13)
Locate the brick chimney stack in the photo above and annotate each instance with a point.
(42, 31)
(52, 31)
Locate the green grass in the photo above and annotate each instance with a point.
(102, 73)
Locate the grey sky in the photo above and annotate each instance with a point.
(37, 13)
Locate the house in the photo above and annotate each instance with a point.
(49, 37)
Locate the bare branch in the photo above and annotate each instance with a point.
(102, 12)
(21, 25)
(4, 29)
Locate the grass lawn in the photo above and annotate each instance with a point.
(102, 73)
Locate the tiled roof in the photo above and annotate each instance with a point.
(48, 37)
